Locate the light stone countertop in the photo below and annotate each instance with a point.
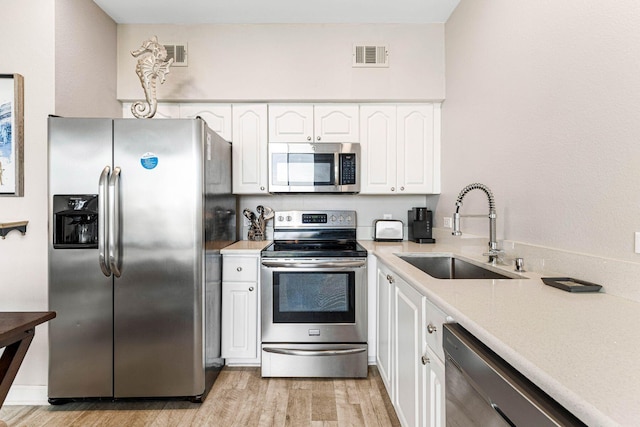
(581, 348)
(245, 247)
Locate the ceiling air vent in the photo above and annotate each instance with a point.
(365, 55)
(178, 52)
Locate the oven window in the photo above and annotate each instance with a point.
(303, 169)
(314, 297)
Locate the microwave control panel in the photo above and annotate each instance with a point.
(347, 169)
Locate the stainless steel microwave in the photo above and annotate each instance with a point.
(314, 167)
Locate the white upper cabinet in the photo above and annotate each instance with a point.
(378, 149)
(249, 150)
(336, 123)
(313, 123)
(418, 159)
(217, 116)
(400, 149)
(290, 123)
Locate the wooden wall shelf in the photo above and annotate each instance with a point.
(6, 227)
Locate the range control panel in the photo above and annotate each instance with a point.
(315, 219)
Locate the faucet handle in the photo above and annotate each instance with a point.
(520, 265)
(496, 256)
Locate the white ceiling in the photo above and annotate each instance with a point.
(277, 11)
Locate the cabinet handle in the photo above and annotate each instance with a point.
(308, 138)
(390, 279)
(239, 269)
(431, 329)
(393, 188)
(262, 188)
(425, 360)
(250, 288)
(401, 188)
(318, 138)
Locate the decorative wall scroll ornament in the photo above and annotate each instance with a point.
(152, 65)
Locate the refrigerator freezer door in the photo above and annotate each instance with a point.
(80, 337)
(158, 300)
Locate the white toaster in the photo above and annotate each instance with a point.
(389, 230)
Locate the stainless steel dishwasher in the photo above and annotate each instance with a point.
(484, 390)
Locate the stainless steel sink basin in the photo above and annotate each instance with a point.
(450, 267)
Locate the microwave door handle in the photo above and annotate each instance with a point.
(103, 217)
(315, 264)
(337, 174)
(114, 223)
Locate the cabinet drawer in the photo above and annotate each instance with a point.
(434, 319)
(240, 269)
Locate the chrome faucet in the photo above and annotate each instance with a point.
(493, 253)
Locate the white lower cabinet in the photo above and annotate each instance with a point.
(412, 372)
(384, 310)
(435, 390)
(408, 349)
(240, 309)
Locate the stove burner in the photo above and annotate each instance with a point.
(307, 249)
(296, 236)
(314, 246)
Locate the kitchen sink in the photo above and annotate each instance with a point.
(451, 267)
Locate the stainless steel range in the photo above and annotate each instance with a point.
(314, 297)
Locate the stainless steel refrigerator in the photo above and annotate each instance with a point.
(138, 211)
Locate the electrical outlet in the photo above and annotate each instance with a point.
(387, 216)
(447, 222)
(637, 242)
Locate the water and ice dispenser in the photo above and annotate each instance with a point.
(75, 219)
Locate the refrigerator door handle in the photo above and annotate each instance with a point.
(115, 261)
(103, 191)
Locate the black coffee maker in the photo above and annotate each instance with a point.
(420, 222)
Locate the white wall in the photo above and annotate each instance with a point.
(289, 62)
(23, 259)
(85, 66)
(542, 106)
(48, 90)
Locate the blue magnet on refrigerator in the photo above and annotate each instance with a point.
(149, 160)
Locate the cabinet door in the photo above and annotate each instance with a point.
(385, 291)
(378, 149)
(434, 319)
(217, 116)
(290, 123)
(418, 153)
(336, 123)
(409, 347)
(239, 320)
(249, 152)
(435, 391)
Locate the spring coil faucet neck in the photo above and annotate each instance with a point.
(494, 252)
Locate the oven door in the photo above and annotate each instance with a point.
(314, 300)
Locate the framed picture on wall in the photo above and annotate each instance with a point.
(11, 135)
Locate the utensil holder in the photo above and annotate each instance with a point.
(255, 234)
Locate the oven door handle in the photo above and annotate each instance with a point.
(315, 264)
(298, 352)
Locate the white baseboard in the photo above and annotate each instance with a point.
(27, 395)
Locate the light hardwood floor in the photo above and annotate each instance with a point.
(239, 397)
